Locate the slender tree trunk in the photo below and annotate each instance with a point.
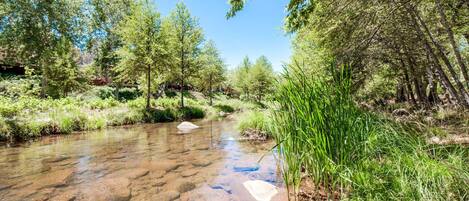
(148, 86)
(43, 85)
(415, 78)
(407, 81)
(210, 90)
(450, 33)
(432, 86)
(182, 71)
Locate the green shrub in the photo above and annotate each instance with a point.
(103, 104)
(170, 93)
(5, 130)
(253, 120)
(105, 92)
(157, 115)
(191, 112)
(224, 108)
(126, 94)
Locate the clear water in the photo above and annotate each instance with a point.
(140, 162)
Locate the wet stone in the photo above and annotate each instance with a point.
(56, 159)
(54, 179)
(189, 173)
(167, 196)
(22, 184)
(185, 186)
(116, 189)
(5, 186)
(129, 173)
(159, 183)
(201, 163)
(66, 196)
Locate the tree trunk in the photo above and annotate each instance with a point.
(407, 82)
(450, 33)
(210, 90)
(148, 87)
(432, 86)
(182, 72)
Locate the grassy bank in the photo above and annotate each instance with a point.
(25, 117)
(348, 153)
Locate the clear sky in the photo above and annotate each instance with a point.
(254, 31)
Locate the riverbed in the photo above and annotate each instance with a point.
(139, 162)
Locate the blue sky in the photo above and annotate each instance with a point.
(254, 31)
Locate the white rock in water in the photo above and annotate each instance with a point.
(187, 126)
(260, 190)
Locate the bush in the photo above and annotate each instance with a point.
(191, 112)
(126, 94)
(224, 108)
(170, 93)
(156, 115)
(105, 92)
(253, 120)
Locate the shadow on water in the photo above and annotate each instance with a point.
(140, 162)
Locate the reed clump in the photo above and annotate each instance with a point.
(359, 155)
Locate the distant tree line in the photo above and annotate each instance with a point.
(128, 40)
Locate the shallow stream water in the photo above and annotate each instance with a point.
(139, 162)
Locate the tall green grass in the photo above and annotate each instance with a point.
(321, 133)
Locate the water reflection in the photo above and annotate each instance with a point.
(142, 162)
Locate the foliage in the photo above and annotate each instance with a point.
(145, 46)
(211, 76)
(32, 31)
(187, 37)
(254, 119)
(254, 81)
(63, 75)
(363, 156)
(104, 40)
(261, 78)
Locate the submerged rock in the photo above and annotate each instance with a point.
(108, 189)
(189, 173)
(56, 159)
(201, 163)
(54, 179)
(167, 196)
(185, 186)
(162, 165)
(130, 173)
(187, 126)
(260, 190)
(4, 186)
(246, 167)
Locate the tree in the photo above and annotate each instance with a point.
(63, 75)
(104, 41)
(212, 73)
(261, 78)
(188, 37)
(145, 46)
(32, 30)
(241, 74)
